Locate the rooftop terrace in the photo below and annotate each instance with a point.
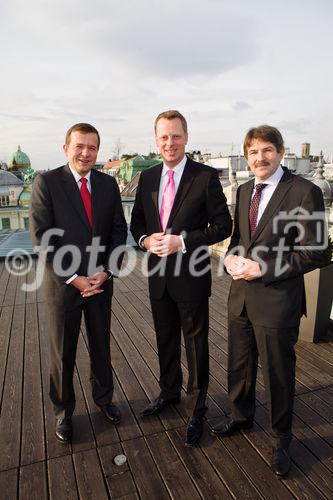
(34, 465)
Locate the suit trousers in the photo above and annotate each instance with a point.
(275, 347)
(170, 318)
(64, 328)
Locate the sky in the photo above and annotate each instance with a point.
(226, 65)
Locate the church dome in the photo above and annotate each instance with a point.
(19, 160)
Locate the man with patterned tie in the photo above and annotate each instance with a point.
(81, 211)
(179, 211)
(266, 298)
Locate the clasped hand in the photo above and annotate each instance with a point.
(163, 244)
(90, 285)
(241, 268)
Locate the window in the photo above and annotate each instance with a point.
(4, 201)
(5, 223)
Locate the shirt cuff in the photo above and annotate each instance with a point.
(72, 278)
(141, 245)
(183, 244)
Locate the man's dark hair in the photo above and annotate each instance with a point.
(84, 128)
(264, 133)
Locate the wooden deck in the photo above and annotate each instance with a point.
(33, 465)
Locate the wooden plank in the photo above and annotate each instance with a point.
(316, 403)
(319, 424)
(9, 484)
(90, 481)
(33, 447)
(118, 477)
(21, 279)
(301, 484)
(32, 482)
(149, 485)
(317, 445)
(5, 330)
(171, 468)
(61, 475)
(10, 419)
(9, 298)
(83, 435)
(104, 431)
(4, 279)
(255, 468)
(132, 389)
(31, 297)
(198, 466)
(148, 381)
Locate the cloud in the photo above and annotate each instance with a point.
(241, 106)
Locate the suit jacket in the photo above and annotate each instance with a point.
(56, 203)
(277, 300)
(199, 211)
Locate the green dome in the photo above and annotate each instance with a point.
(20, 159)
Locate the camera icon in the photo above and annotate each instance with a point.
(311, 228)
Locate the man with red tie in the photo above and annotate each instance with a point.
(76, 212)
(274, 242)
(179, 211)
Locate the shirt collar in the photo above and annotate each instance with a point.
(178, 169)
(77, 176)
(274, 179)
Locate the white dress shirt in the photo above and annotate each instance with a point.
(268, 191)
(178, 172)
(78, 178)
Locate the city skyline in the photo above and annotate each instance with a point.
(225, 67)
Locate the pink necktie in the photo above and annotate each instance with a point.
(254, 207)
(86, 198)
(167, 200)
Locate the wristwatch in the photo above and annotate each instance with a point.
(108, 273)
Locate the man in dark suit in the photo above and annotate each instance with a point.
(274, 242)
(179, 210)
(77, 212)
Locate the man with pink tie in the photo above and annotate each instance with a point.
(179, 211)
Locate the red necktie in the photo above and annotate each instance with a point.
(253, 212)
(86, 198)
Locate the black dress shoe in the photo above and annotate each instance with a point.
(64, 430)
(158, 405)
(280, 462)
(193, 431)
(111, 412)
(228, 428)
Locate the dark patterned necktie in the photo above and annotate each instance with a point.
(253, 212)
(86, 198)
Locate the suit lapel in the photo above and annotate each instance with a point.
(274, 203)
(156, 179)
(73, 193)
(183, 188)
(244, 208)
(97, 200)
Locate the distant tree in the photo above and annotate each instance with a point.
(118, 148)
(126, 156)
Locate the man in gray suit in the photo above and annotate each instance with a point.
(274, 242)
(77, 212)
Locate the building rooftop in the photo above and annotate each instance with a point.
(33, 464)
